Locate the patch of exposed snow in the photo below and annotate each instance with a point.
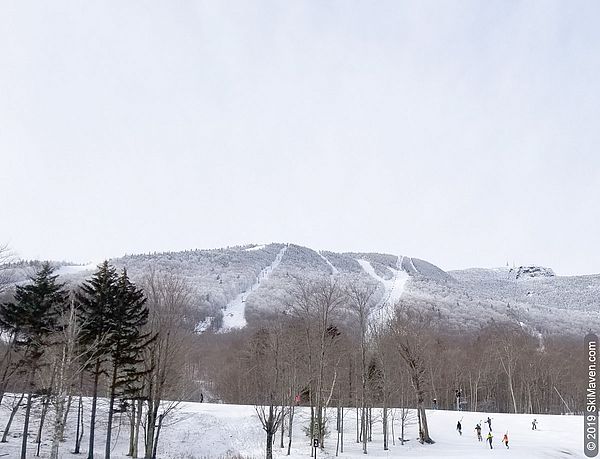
(204, 325)
(256, 247)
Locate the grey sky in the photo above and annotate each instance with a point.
(464, 133)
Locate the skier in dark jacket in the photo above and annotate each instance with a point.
(489, 423)
(534, 425)
(478, 430)
(459, 427)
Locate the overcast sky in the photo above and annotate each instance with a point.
(463, 133)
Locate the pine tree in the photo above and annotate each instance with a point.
(96, 303)
(127, 339)
(32, 318)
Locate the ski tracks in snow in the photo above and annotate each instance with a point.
(234, 314)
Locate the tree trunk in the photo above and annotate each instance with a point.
(79, 431)
(392, 423)
(282, 427)
(337, 428)
(342, 437)
(424, 428)
(160, 421)
(66, 416)
(512, 391)
(402, 425)
(93, 414)
(10, 419)
(269, 443)
(357, 425)
(138, 423)
(385, 427)
(26, 424)
(291, 423)
(363, 428)
(132, 419)
(38, 439)
(111, 411)
(150, 428)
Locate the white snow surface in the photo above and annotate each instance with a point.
(394, 288)
(205, 430)
(234, 314)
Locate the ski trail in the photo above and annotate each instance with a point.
(334, 270)
(234, 314)
(413, 265)
(394, 288)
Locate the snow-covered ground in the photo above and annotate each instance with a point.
(394, 288)
(234, 314)
(218, 431)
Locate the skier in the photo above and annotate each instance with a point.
(489, 423)
(459, 427)
(478, 430)
(505, 439)
(201, 397)
(489, 438)
(534, 425)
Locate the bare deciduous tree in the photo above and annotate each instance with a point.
(411, 329)
(171, 322)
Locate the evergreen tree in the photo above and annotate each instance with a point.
(96, 304)
(31, 319)
(127, 339)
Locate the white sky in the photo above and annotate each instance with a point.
(463, 133)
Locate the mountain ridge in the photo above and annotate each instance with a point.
(236, 276)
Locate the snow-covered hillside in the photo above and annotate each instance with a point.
(238, 285)
(225, 431)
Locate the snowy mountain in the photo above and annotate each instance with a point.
(238, 285)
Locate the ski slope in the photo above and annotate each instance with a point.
(234, 314)
(334, 270)
(204, 430)
(393, 289)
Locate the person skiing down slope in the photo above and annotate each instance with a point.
(478, 430)
(505, 439)
(534, 425)
(459, 427)
(489, 423)
(489, 438)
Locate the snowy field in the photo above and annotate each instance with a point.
(221, 431)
